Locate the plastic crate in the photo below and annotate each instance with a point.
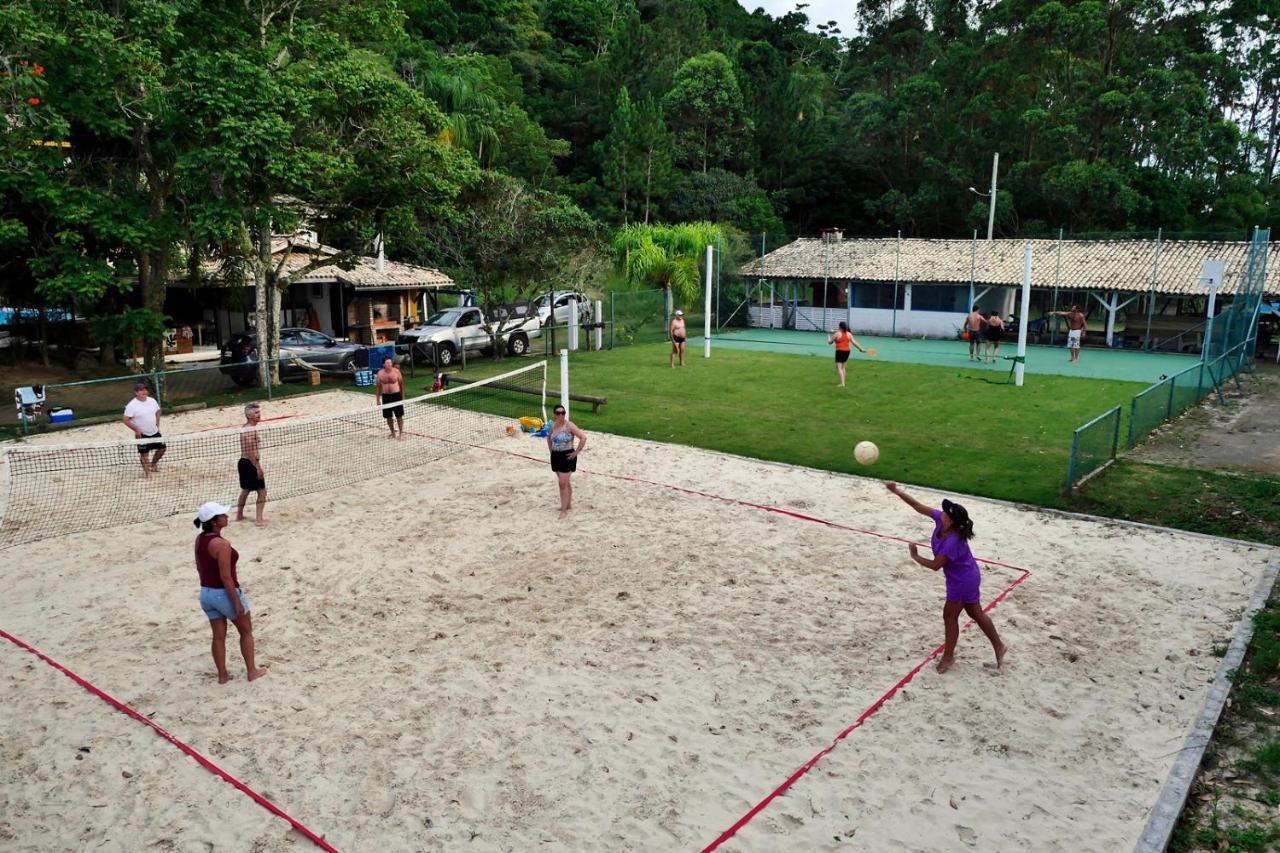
(364, 378)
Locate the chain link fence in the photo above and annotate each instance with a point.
(1093, 447)
(70, 404)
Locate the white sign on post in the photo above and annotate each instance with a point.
(1211, 274)
(1210, 280)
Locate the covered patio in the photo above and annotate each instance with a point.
(1137, 293)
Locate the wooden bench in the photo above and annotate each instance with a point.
(596, 402)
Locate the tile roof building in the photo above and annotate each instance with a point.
(917, 286)
(1127, 266)
(371, 300)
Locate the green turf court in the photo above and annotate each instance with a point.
(1117, 364)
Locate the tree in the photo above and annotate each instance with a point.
(512, 243)
(665, 256)
(620, 154)
(704, 111)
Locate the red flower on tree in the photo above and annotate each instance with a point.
(35, 102)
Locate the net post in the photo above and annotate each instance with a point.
(1071, 463)
(564, 381)
(1168, 411)
(1115, 434)
(1133, 419)
(706, 310)
(543, 399)
(599, 329)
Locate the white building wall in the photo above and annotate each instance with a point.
(873, 321)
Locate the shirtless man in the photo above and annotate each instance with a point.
(249, 468)
(389, 388)
(1075, 330)
(678, 337)
(974, 323)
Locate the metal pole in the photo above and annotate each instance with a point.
(706, 311)
(719, 267)
(564, 381)
(599, 318)
(1020, 366)
(573, 324)
(991, 214)
(1208, 324)
(973, 268)
(1057, 280)
(826, 272)
(897, 266)
(1151, 297)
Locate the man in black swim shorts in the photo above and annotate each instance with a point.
(389, 388)
(678, 337)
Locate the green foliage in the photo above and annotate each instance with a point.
(131, 324)
(705, 113)
(665, 256)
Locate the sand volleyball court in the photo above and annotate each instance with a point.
(451, 668)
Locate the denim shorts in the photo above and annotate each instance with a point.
(217, 604)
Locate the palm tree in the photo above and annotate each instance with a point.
(665, 256)
(457, 91)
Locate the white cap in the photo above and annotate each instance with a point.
(679, 313)
(211, 510)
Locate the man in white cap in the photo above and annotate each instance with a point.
(142, 415)
(678, 337)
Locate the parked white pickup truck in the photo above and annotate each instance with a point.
(447, 333)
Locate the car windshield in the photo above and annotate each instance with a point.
(443, 318)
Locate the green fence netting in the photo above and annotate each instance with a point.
(1093, 447)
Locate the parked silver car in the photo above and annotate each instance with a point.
(240, 354)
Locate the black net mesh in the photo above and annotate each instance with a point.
(56, 489)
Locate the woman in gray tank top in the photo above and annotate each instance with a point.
(564, 456)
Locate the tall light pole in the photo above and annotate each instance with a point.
(991, 208)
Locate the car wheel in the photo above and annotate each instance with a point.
(518, 345)
(348, 364)
(245, 378)
(445, 355)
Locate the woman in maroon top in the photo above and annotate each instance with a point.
(220, 595)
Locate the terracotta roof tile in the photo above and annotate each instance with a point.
(1122, 265)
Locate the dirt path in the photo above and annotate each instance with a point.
(1242, 436)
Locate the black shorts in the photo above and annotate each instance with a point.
(150, 445)
(994, 335)
(249, 478)
(392, 411)
(677, 339)
(562, 463)
(842, 355)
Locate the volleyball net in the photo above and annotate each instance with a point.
(53, 490)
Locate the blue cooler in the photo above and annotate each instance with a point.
(61, 416)
(378, 353)
(364, 378)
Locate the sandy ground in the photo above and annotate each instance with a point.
(453, 668)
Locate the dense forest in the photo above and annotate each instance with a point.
(507, 140)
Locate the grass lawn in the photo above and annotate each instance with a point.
(961, 430)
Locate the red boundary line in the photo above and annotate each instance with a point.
(191, 751)
(727, 834)
(862, 718)
(875, 706)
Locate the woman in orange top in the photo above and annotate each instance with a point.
(843, 340)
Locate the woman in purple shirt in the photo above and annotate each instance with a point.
(952, 531)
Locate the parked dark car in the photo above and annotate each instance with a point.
(240, 354)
